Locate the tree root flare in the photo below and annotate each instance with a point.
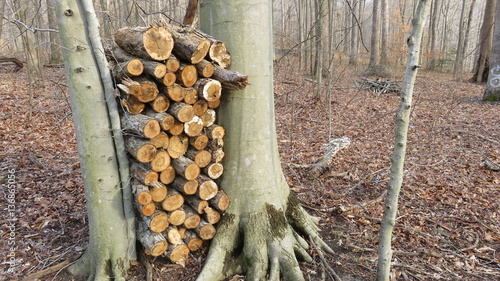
(263, 245)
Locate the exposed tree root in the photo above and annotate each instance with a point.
(100, 267)
(264, 245)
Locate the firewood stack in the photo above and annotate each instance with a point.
(170, 81)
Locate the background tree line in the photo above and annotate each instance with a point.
(320, 33)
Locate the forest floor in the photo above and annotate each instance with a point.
(448, 227)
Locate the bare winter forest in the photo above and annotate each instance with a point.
(338, 71)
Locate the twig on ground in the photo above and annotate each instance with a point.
(50, 270)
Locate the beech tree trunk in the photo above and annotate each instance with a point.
(262, 206)
(110, 215)
(481, 68)
(492, 91)
(398, 156)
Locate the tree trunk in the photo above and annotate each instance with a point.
(459, 59)
(398, 156)
(485, 40)
(384, 48)
(55, 56)
(2, 11)
(25, 15)
(262, 206)
(467, 32)
(492, 91)
(353, 56)
(433, 34)
(111, 225)
(374, 65)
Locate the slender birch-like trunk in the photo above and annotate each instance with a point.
(398, 156)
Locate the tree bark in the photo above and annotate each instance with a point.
(375, 39)
(262, 207)
(398, 156)
(481, 68)
(384, 48)
(112, 241)
(55, 56)
(492, 91)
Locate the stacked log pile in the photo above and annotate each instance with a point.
(170, 81)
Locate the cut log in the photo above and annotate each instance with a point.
(214, 104)
(193, 242)
(172, 235)
(169, 79)
(220, 201)
(199, 142)
(161, 141)
(143, 174)
(177, 217)
(207, 188)
(141, 125)
(188, 46)
(157, 222)
(149, 89)
(141, 192)
(186, 187)
(186, 168)
(177, 128)
(126, 69)
(148, 209)
(181, 111)
(196, 203)
(218, 52)
(152, 42)
(160, 103)
(208, 89)
(190, 96)
(217, 155)
(200, 107)
(205, 68)
(173, 201)
(230, 79)
(200, 157)
(205, 230)
(132, 105)
(175, 93)
(166, 120)
(130, 88)
(211, 215)
(177, 253)
(140, 149)
(167, 176)
(187, 75)
(158, 193)
(154, 243)
(215, 132)
(215, 144)
(172, 63)
(161, 161)
(214, 170)
(208, 118)
(178, 146)
(192, 218)
(154, 69)
(194, 126)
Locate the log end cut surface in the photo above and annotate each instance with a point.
(158, 43)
